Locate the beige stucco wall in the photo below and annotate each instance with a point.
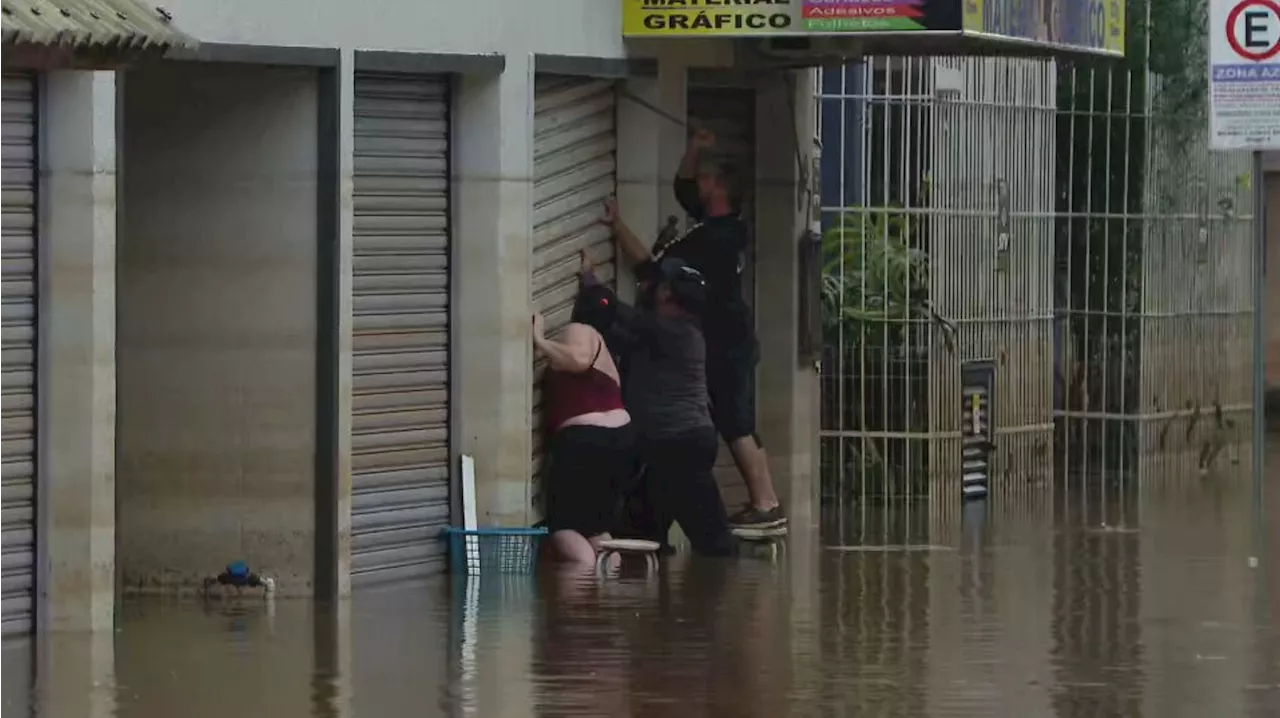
(217, 331)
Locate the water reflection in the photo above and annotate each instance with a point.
(1077, 604)
(16, 678)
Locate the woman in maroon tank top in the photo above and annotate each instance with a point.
(589, 435)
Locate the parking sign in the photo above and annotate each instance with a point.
(1244, 74)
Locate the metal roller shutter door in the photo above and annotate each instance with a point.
(730, 113)
(400, 366)
(574, 170)
(19, 344)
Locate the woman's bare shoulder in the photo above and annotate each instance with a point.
(578, 332)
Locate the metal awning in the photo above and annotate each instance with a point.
(112, 25)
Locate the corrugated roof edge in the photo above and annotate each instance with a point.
(108, 24)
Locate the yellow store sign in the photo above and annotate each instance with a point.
(732, 18)
(1083, 25)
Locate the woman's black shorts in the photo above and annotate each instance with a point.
(588, 465)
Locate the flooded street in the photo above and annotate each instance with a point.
(1077, 607)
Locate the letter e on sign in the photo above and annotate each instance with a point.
(1253, 29)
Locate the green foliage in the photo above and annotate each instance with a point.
(1177, 54)
(875, 282)
(871, 273)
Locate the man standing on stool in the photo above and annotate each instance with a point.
(710, 192)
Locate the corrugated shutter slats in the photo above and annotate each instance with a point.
(400, 365)
(19, 350)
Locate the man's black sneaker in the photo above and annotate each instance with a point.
(752, 518)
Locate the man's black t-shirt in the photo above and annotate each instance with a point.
(716, 247)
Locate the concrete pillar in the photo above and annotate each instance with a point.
(333, 642)
(641, 175)
(341, 540)
(77, 346)
(787, 387)
(75, 674)
(492, 255)
(672, 96)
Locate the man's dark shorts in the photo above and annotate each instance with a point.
(731, 382)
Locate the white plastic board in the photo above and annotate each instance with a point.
(469, 513)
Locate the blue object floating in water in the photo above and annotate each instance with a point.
(238, 569)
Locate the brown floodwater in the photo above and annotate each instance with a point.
(1076, 606)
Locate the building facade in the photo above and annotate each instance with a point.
(260, 293)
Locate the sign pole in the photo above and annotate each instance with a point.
(1259, 377)
(1244, 114)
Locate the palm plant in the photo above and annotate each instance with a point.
(874, 289)
(871, 275)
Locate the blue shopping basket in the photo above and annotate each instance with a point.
(493, 550)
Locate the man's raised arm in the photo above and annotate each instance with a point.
(686, 181)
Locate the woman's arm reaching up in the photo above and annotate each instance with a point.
(628, 242)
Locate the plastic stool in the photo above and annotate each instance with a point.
(628, 546)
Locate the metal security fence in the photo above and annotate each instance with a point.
(1060, 226)
(874, 120)
(1154, 259)
(938, 254)
(1197, 304)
